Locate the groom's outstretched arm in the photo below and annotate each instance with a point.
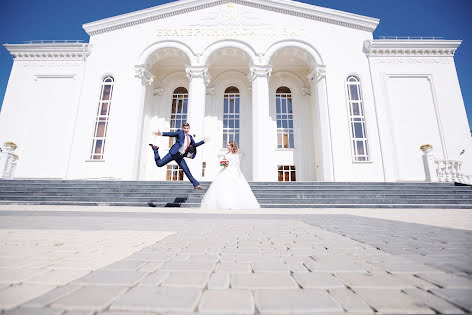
(171, 134)
(199, 143)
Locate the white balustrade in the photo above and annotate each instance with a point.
(446, 171)
(7, 163)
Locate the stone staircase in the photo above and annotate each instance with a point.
(269, 194)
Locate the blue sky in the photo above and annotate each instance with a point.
(23, 20)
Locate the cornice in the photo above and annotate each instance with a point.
(52, 51)
(410, 47)
(184, 6)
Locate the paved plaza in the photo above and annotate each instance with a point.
(105, 260)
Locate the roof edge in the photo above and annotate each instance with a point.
(49, 50)
(406, 47)
(184, 6)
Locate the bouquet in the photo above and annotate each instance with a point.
(224, 162)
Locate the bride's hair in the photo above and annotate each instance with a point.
(234, 147)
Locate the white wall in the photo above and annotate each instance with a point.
(421, 104)
(38, 114)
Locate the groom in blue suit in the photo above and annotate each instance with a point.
(185, 146)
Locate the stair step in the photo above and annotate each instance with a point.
(269, 194)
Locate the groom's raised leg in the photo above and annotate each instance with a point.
(161, 162)
(186, 170)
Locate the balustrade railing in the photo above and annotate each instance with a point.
(447, 171)
(8, 161)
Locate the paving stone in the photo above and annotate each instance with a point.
(126, 265)
(155, 278)
(234, 267)
(212, 258)
(185, 266)
(447, 280)
(187, 279)
(227, 258)
(295, 301)
(297, 268)
(181, 257)
(265, 280)
(112, 277)
(17, 275)
(269, 267)
(33, 311)
(125, 313)
(460, 297)
(321, 280)
(409, 267)
(57, 277)
(306, 252)
(350, 301)
(372, 280)
(219, 281)
(393, 301)
(334, 266)
(416, 281)
(158, 299)
(51, 296)
(77, 312)
(436, 303)
(151, 256)
(248, 258)
(90, 298)
(150, 266)
(227, 301)
(15, 295)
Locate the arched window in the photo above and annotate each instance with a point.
(360, 150)
(179, 111)
(101, 121)
(231, 115)
(283, 105)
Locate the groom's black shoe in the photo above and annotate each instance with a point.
(198, 188)
(154, 147)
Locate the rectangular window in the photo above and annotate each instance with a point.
(287, 173)
(174, 173)
(101, 120)
(231, 118)
(283, 106)
(358, 132)
(178, 115)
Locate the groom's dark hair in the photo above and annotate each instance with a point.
(185, 124)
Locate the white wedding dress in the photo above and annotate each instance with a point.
(230, 189)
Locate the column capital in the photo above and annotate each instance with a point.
(317, 73)
(194, 72)
(259, 71)
(143, 73)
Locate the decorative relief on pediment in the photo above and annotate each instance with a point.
(230, 20)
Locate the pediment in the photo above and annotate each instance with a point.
(290, 7)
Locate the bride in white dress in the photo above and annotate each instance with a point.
(230, 189)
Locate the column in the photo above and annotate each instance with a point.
(261, 170)
(322, 125)
(145, 79)
(199, 79)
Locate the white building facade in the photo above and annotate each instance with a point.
(306, 91)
